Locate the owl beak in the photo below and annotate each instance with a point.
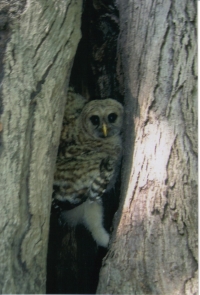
(105, 130)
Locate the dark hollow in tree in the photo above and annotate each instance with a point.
(154, 246)
(74, 259)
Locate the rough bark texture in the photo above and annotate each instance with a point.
(38, 43)
(154, 247)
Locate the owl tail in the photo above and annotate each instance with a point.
(91, 215)
(93, 220)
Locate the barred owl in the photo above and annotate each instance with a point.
(88, 161)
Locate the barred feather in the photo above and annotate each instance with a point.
(88, 160)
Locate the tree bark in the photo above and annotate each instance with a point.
(38, 43)
(154, 246)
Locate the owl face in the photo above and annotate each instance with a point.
(102, 118)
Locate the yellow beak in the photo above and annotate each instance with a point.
(105, 130)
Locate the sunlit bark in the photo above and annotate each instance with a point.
(154, 246)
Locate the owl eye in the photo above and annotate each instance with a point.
(112, 117)
(95, 120)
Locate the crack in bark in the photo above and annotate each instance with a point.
(24, 190)
(42, 81)
(68, 40)
(193, 69)
(43, 39)
(187, 13)
(65, 15)
(135, 188)
(195, 261)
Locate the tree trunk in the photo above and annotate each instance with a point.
(38, 43)
(154, 245)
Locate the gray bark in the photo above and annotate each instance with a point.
(154, 246)
(38, 43)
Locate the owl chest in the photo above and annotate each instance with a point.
(84, 167)
(80, 170)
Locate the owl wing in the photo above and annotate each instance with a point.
(69, 193)
(100, 183)
(73, 108)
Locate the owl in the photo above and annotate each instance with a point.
(88, 161)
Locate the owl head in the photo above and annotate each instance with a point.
(102, 118)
